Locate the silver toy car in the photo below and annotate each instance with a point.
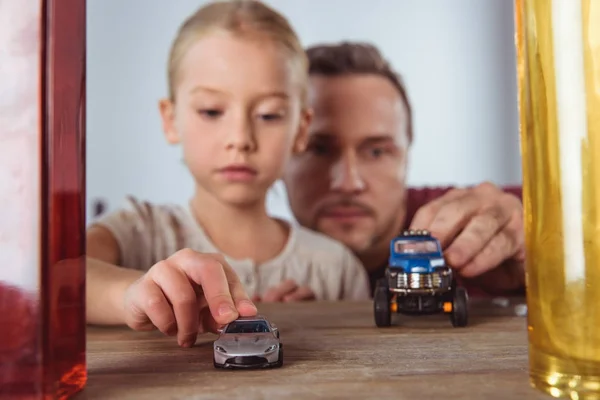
(248, 342)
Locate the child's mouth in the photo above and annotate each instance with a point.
(238, 173)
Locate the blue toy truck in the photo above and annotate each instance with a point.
(418, 281)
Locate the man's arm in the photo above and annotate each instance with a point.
(418, 197)
(495, 270)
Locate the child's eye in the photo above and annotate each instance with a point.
(210, 113)
(270, 117)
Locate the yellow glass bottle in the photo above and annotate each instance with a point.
(558, 65)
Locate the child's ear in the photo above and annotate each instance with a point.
(301, 139)
(167, 114)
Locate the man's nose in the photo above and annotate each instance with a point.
(346, 177)
(241, 135)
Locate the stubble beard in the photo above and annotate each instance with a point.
(371, 249)
(375, 250)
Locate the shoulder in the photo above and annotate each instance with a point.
(316, 241)
(144, 216)
(145, 232)
(143, 211)
(421, 195)
(322, 249)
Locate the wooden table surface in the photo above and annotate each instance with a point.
(332, 351)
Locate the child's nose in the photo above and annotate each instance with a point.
(241, 144)
(241, 138)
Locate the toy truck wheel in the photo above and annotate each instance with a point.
(459, 315)
(381, 300)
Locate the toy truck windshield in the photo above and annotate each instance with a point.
(416, 247)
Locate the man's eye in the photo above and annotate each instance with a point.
(210, 113)
(318, 149)
(377, 152)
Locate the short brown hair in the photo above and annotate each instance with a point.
(242, 18)
(348, 58)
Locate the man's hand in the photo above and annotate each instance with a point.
(186, 294)
(481, 231)
(287, 291)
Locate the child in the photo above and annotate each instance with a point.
(237, 78)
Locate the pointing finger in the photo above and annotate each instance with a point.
(209, 273)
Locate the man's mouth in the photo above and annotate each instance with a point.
(344, 213)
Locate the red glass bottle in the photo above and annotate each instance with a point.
(42, 199)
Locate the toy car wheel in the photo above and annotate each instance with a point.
(279, 362)
(459, 315)
(381, 300)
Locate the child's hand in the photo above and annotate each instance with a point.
(287, 291)
(185, 294)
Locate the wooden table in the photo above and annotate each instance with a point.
(332, 351)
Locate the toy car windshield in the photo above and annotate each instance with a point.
(247, 327)
(415, 247)
(248, 342)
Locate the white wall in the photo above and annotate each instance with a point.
(457, 58)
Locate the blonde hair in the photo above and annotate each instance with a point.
(240, 18)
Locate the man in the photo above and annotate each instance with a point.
(350, 183)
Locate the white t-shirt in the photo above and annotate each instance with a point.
(148, 233)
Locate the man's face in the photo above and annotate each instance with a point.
(349, 184)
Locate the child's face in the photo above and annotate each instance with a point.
(237, 114)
